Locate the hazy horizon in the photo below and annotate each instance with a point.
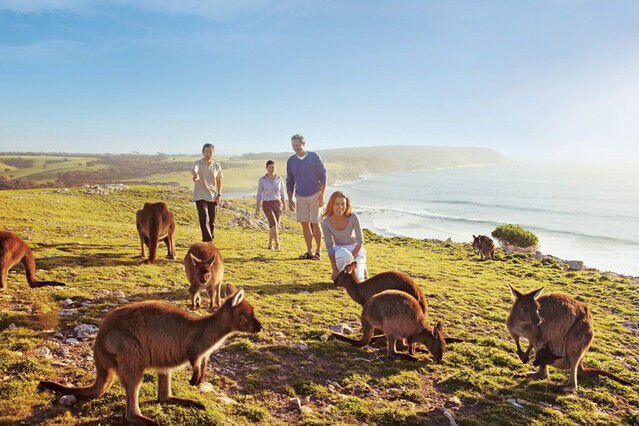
(531, 80)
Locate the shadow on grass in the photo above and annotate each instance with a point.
(290, 288)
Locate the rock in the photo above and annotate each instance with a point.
(341, 328)
(300, 346)
(84, 331)
(514, 403)
(71, 341)
(206, 387)
(449, 415)
(123, 301)
(575, 265)
(67, 302)
(67, 400)
(632, 326)
(278, 335)
(68, 312)
(538, 255)
(43, 352)
(296, 307)
(324, 337)
(10, 327)
(103, 293)
(225, 399)
(298, 320)
(296, 403)
(449, 240)
(118, 294)
(278, 282)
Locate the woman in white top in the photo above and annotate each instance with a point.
(343, 236)
(271, 193)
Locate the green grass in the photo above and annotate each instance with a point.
(89, 242)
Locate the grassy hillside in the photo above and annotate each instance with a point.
(240, 173)
(89, 241)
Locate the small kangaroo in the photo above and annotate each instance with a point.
(155, 223)
(204, 268)
(484, 246)
(158, 335)
(362, 291)
(400, 316)
(13, 249)
(560, 323)
(545, 356)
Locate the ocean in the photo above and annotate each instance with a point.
(586, 211)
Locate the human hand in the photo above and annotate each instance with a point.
(291, 205)
(335, 274)
(320, 201)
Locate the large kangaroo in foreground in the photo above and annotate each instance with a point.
(161, 336)
(155, 223)
(399, 316)
(362, 291)
(204, 268)
(13, 250)
(556, 323)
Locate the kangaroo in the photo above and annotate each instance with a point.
(362, 291)
(205, 270)
(158, 335)
(545, 356)
(155, 223)
(13, 249)
(562, 324)
(484, 246)
(400, 316)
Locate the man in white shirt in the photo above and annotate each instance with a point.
(207, 190)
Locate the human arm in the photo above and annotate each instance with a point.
(321, 176)
(290, 185)
(330, 248)
(258, 196)
(194, 172)
(359, 236)
(218, 183)
(283, 196)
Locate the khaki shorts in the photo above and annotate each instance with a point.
(307, 208)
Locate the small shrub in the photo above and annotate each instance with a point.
(253, 413)
(515, 235)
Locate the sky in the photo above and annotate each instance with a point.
(530, 79)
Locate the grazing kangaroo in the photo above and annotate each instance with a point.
(13, 249)
(560, 323)
(545, 356)
(158, 335)
(205, 270)
(400, 316)
(484, 246)
(155, 223)
(362, 291)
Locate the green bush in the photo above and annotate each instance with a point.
(515, 235)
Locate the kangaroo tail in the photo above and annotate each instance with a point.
(29, 268)
(154, 232)
(102, 384)
(592, 372)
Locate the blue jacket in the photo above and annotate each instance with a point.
(305, 176)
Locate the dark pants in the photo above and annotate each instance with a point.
(206, 214)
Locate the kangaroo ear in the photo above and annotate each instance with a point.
(194, 259)
(210, 260)
(515, 292)
(238, 297)
(437, 330)
(474, 236)
(450, 340)
(348, 269)
(536, 293)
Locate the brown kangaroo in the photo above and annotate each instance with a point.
(155, 223)
(484, 246)
(204, 268)
(400, 316)
(562, 324)
(360, 292)
(13, 249)
(158, 335)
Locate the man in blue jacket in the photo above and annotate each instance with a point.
(306, 176)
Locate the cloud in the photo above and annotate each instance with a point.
(39, 50)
